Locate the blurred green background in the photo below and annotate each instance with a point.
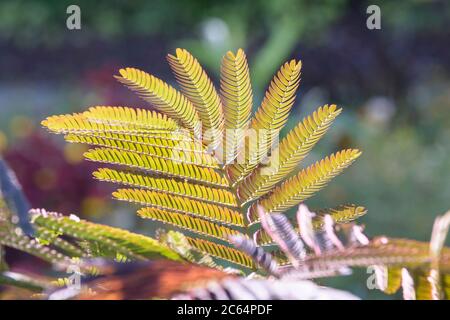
(393, 83)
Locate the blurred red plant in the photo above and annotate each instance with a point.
(55, 177)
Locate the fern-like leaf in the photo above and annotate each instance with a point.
(381, 251)
(170, 186)
(173, 140)
(95, 120)
(53, 238)
(261, 257)
(307, 182)
(33, 247)
(281, 231)
(270, 117)
(237, 99)
(341, 214)
(192, 224)
(130, 116)
(291, 151)
(132, 245)
(162, 96)
(178, 180)
(225, 253)
(157, 165)
(162, 151)
(198, 88)
(179, 204)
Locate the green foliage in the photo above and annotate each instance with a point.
(112, 240)
(62, 241)
(422, 269)
(181, 180)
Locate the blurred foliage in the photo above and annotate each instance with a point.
(271, 29)
(58, 179)
(217, 26)
(403, 175)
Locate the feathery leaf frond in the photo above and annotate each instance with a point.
(222, 252)
(280, 230)
(157, 165)
(341, 214)
(381, 251)
(139, 118)
(237, 100)
(162, 96)
(198, 88)
(270, 117)
(33, 247)
(180, 180)
(164, 150)
(261, 257)
(190, 223)
(179, 204)
(307, 182)
(49, 237)
(95, 120)
(397, 262)
(130, 244)
(170, 186)
(291, 151)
